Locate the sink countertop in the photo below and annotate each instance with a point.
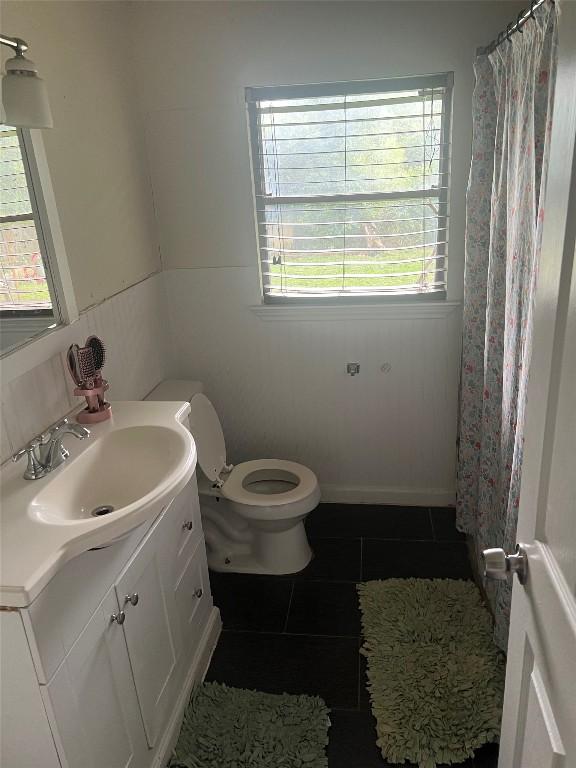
(33, 550)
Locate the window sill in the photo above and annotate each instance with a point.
(413, 310)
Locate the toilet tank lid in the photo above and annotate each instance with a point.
(176, 389)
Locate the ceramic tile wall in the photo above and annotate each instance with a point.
(132, 326)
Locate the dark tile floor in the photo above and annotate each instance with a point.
(301, 633)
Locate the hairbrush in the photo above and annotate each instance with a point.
(86, 369)
(98, 355)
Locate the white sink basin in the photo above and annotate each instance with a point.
(121, 476)
(118, 472)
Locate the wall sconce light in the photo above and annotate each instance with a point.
(24, 96)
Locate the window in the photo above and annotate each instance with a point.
(25, 290)
(351, 186)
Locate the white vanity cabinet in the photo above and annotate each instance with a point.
(156, 626)
(115, 659)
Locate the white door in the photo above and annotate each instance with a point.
(539, 722)
(92, 701)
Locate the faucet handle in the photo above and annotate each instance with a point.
(34, 470)
(32, 445)
(45, 437)
(52, 453)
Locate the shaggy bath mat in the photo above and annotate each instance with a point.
(234, 728)
(435, 677)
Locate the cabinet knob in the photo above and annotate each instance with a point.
(132, 599)
(198, 593)
(119, 617)
(188, 525)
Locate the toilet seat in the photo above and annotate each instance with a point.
(274, 503)
(235, 485)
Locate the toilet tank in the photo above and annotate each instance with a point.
(175, 389)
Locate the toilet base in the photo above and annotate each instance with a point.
(244, 564)
(236, 543)
(233, 546)
(247, 563)
(269, 553)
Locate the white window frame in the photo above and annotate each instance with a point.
(51, 241)
(252, 94)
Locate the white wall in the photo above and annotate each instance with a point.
(281, 389)
(280, 386)
(99, 170)
(96, 150)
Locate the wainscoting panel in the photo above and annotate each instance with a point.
(36, 387)
(281, 388)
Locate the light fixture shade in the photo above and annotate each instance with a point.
(24, 95)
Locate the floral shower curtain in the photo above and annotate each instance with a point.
(512, 110)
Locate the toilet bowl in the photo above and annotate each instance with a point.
(252, 513)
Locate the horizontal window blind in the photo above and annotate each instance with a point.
(23, 283)
(351, 186)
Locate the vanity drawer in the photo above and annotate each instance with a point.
(193, 599)
(189, 527)
(61, 611)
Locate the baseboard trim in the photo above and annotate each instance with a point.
(196, 674)
(410, 497)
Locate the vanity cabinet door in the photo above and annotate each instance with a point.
(154, 645)
(92, 702)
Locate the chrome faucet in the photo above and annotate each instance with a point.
(51, 452)
(46, 451)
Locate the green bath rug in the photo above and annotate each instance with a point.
(234, 728)
(435, 677)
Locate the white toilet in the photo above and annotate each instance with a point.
(252, 513)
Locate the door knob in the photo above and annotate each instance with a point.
(198, 593)
(188, 525)
(498, 565)
(132, 599)
(119, 617)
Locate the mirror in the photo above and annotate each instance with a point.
(28, 302)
